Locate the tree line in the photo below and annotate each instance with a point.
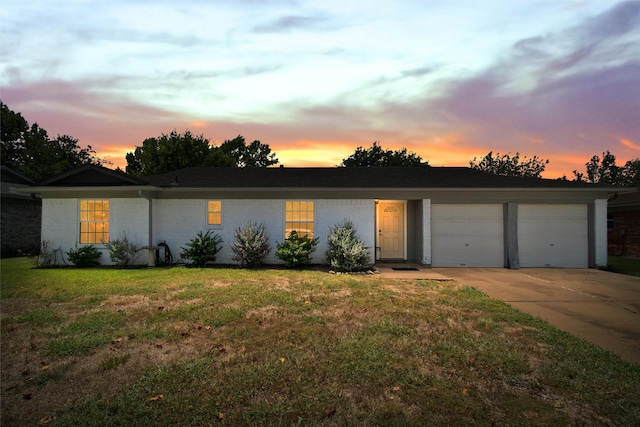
(29, 150)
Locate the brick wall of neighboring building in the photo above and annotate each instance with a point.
(624, 233)
(20, 225)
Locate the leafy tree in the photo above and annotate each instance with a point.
(255, 155)
(167, 153)
(376, 156)
(505, 165)
(30, 151)
(12, 129)
(605, 171)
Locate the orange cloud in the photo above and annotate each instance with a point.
(629, 144)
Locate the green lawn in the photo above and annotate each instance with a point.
(623, 265)
(197, 347)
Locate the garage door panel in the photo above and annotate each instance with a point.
(553, 236)
(467, 235)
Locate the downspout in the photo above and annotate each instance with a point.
(150, 199)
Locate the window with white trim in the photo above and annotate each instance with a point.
(94, 221)
(214, 212)
(299, 216)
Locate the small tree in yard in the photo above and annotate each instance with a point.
(296, 250)
(122, 251)
(202, 249)
(251, 246)
(346, 252)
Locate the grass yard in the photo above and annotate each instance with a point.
(199, 347)
(624, 265)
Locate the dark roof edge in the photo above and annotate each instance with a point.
(109, 172)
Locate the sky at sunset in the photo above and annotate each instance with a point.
(448, 80)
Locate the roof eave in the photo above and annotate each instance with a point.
(98, 188)
(352, 189)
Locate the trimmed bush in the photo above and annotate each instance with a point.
(251, 246)
(346, 252)
(202, 249)
(84, 256)
(122, 251)
(296, 251)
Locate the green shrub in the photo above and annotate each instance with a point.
(84, 256)
(345, 251)
(46, 257)
(202, 249)
(296, 251)
(122, 251)
(251, 246)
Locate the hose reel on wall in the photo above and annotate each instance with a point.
(163, 254)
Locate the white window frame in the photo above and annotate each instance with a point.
(284, 228)
(207, 211)
(87, 221)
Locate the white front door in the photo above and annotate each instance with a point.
(391, 229)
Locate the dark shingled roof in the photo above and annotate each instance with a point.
(91, 175)
(380, 177)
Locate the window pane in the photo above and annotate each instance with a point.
(214, 212)
(94, 221)
(214, 219)
(299, 216)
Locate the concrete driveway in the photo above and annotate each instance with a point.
(596, 305)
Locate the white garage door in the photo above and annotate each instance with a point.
(467, 235)
(553, 236)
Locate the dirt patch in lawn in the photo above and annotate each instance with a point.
(34, 386)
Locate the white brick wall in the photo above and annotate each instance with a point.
(179, 221)
(60, 225)
(331, 212)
